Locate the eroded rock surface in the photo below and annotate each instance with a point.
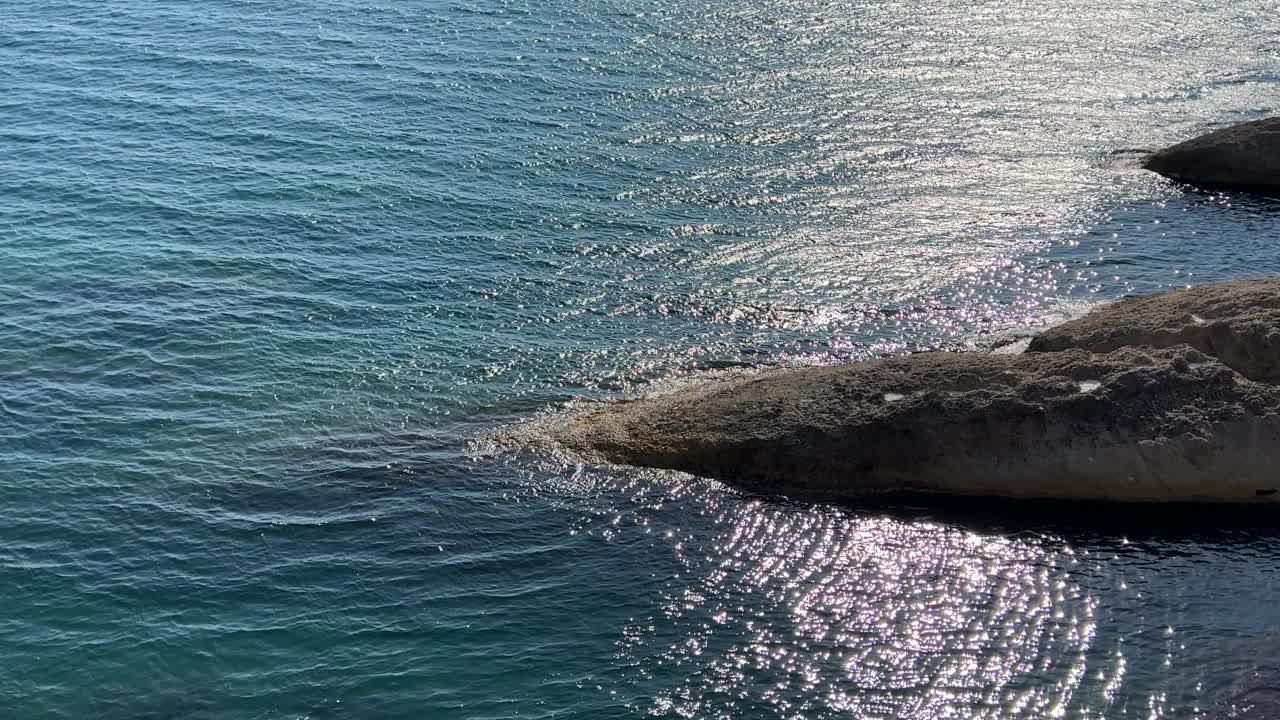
(1132, 425)
(1247, 154)
(1236, 322)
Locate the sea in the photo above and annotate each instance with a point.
(281, 277)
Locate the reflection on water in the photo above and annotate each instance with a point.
(824, 613)
(779, 609)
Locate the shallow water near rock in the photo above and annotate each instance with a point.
(270, 267)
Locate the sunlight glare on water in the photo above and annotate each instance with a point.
(874, 617)
(269, 267)
(787, 610)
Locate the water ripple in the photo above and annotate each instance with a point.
(269, 265)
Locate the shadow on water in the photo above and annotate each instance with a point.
(1079, 521)
(1238, 198)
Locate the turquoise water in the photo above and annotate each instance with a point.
(271, 268)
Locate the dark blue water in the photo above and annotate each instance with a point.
(271, 268)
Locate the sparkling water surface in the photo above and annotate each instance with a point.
(272, 267)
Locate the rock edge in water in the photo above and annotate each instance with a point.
(1130, 425)
(1242, 155)
(1086, 414)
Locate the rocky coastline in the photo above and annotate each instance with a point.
(1165, 398)
(1173, 397)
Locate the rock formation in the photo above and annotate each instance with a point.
(1245, 155)
(1133, 425)
(1237, 322)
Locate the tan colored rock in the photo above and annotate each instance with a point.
(1236, 322)
(1247, 154)
(1160, 425)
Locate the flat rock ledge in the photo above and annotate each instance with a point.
(1243, 155)
(1142, 425)
(1236, 322)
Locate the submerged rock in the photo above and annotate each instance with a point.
(1236, 322)
(1131, 425)
(1247, 155)
(1259, 702)
(1247, 678)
